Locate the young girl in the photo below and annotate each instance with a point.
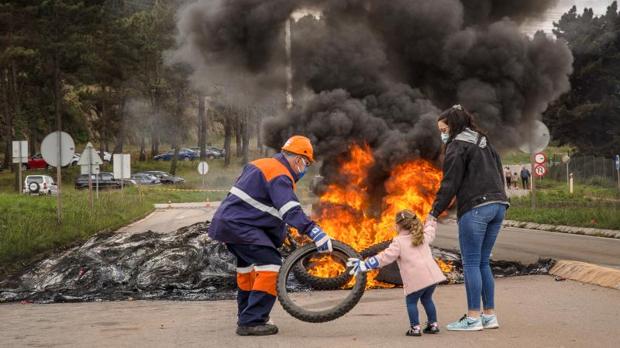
(418, 269)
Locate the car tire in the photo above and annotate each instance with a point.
(319, 283)
(34, 187)
(325, 315)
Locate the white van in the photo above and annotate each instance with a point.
(40, 185)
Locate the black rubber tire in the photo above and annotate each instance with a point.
(319, 283)
(355, 294)
(34, 187)
(375, 249)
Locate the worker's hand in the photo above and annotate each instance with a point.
(321, 240)
(358, 266)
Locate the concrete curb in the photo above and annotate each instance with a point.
(564, 229)
(587, 273)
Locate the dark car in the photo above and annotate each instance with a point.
(184, 154)
(164, 177)
(211, 152)
(104, 180)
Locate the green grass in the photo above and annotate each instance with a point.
(28, 228)
(588, 206)
(28, 223)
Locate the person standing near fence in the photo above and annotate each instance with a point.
(525, 178)
(508, 177)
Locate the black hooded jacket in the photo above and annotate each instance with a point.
(472, 171)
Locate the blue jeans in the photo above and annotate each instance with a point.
(478, 230)
(426, 297)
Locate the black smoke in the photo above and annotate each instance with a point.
(378, 72)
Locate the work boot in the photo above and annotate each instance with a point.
(258, 330)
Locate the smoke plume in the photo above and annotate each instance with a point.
(379, 72)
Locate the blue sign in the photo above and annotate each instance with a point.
(617, 162)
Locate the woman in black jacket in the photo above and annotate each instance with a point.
(472, 171)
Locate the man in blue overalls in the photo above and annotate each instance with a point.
(251, 221)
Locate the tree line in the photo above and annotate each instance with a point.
(96, 70)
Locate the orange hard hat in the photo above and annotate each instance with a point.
(299, 145)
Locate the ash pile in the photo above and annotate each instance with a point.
(184, 265)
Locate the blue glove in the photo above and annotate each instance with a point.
(321, 240)
(358, 265)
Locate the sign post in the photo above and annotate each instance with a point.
(89, 163)
(20, 155)
(618, 169)
(122, 167)
(566, 160)
(57, 149)
(203, 169)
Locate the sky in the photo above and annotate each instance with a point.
(554, 14)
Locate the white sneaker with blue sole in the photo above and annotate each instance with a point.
(489, 321)
(466, 324)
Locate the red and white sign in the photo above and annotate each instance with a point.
(540, 170)
(540, 158)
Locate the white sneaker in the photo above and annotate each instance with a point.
(466, 324)
(489, 321)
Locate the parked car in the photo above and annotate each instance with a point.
(40, 185)
(104, 180)
(145, 179)
(35, 162)
(184, 154)
(211, 152)
(165, 178)
(75, 159)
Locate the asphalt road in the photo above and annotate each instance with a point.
(526, 246)
(513, 244)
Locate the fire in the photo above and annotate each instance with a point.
(344, 209)
(445, 266)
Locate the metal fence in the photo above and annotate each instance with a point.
(591, 170)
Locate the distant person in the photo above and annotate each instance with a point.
(508, 177)
(251, 221)
(525, 178)
(515, 180)
(418, 270)
(472, 171)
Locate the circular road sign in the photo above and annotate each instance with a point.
(50, 149)
(540, 170)
(203, 168)
(540, 158)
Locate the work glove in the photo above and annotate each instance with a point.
(359, 266)
(321, 240)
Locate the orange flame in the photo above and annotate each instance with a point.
(344, 212)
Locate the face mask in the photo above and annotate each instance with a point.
(445, 137)
(301, 172)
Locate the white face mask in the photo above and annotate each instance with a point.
(445, 137)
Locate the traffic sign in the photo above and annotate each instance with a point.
(540, 170)
(540, 158)
(122, 166)
(89, 156)
(94, 169)
(617, 162)
(50, 149)
(20, 151)
(203, 168)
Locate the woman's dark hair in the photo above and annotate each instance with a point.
(457, 119)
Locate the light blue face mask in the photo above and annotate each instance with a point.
(445, 137)
(302, 172)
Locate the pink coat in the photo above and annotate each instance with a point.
(418, 268)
